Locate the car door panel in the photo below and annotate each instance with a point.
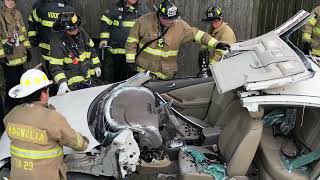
(192, 100)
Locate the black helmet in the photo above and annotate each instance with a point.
(213, 13)
(67, 21)
(168, 10)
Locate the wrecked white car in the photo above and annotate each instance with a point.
(256, 118)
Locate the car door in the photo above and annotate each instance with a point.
(190, 96)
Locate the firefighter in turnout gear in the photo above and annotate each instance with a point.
(311, 34)
(40, 24)
(37, 132)
(159, 36)
(33, 25)
(14, 49)
(115, 28)
(219, 30)
(73, 60)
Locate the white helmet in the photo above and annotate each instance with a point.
(30, 82)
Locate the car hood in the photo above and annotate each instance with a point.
(74, 107)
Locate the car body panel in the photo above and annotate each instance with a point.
(267, 63)
(304, 93)
(264, 62)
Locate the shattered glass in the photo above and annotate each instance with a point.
(285, 118)
(218, 171)
(300, 163)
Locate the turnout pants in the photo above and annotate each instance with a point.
(120, 67)
(12, 76)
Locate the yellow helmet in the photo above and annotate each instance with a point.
(30, 82)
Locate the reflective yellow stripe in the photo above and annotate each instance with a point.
(2, 52)
(23, 29)
(35, 16)
(22, 38)
(45, 46)
(32, 33)
(212, 43)
(35, 154)
(95, 60)
(75, 79)
(158, 74)
(46, 57)
(129, 24)
(158, 52)
(68, 60)
(313, 21)
(17, 61)
(130, 58)
(47, 23)
(30, 18)
(55, 61)
(306, 37)
(84, 56)
(117, 51)
(316, 31)
(107, 20)
(88, 54)
(91, 43)
(26, 43)
(132, 40)
(59, 76)
(116, 23)
(104, 35)
(198, 37)
(315, 52)
(91, 72)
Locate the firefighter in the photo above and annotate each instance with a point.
(73, 60)
(33, 25)
(159, 36)
(115, 27)
(38, 132)
(14, 49)
(41, 21)
(311, 34)
(219, 30)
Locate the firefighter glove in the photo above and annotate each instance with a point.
(103, 44)
(29, 56)
(98, 71)
(8, 48)
(223, 46)
(306, 48)
(34, 41)
(63, 89)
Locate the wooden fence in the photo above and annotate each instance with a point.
(272, 13)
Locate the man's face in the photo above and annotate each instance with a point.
(73, 32)
(165, 22)
(9, 3)
(132, 2)
(216, 23)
